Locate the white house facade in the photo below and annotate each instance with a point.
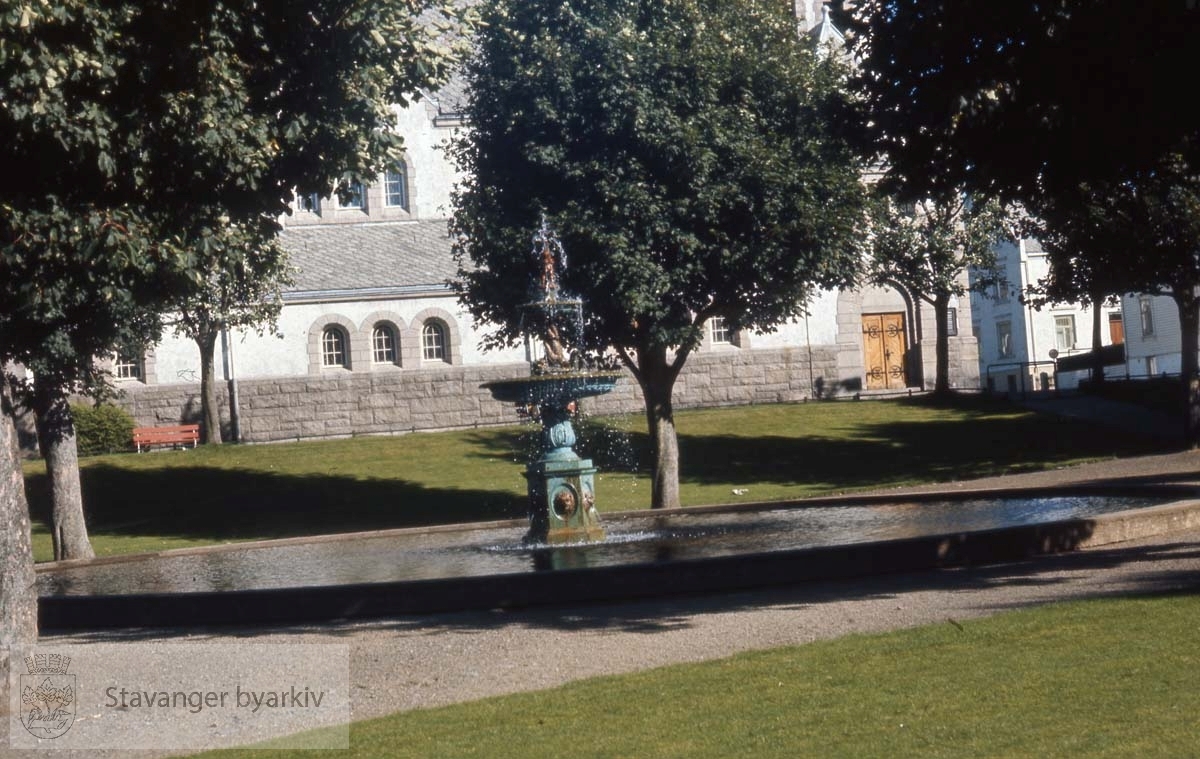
(1153, 339)
(1020, 345)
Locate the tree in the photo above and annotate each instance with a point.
(928, 247)
(242, 269)
(18, 586)
(130, 128)
(688, 156)
(1026, 102)
(1140, 234)
(1021, 99)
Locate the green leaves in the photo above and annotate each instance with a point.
(683, 151)
(148, 149)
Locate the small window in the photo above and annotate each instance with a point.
(1004, 344)
(1064, 332)
(127, 367)
(333, 348)
(433, 342)
(721, 334)
(395, 187)
(310, 202)
(952, 322)
(1146, 309)
(383, 344)
(355, 198)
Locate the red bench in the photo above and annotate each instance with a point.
(174, 436)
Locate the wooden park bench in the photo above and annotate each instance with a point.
(174, 436)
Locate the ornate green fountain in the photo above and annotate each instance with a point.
(561, 485)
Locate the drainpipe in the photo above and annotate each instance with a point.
(1029, 321)
(235, 411)
(812, 387)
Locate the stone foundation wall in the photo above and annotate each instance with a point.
(394, 402)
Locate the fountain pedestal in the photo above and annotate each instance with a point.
(561, 485)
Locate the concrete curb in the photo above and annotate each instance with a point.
(378, 600)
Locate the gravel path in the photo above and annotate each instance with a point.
(443, 659)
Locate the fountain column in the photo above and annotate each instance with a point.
(561, 486)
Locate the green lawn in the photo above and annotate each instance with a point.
(172, 499)
(1110, 678)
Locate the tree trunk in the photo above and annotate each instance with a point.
(1189, 339)
(657, 378)
(1097, 339)
(209, 411)
(18, 597)
(941, 318)
(56, 438)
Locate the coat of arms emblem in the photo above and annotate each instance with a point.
(47, 695)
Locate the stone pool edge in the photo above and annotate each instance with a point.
(339, 603)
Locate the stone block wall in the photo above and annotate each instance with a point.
(453, 397)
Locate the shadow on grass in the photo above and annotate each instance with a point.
(222, 504)
(984, 442)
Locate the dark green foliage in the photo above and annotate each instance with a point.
(1023, 98)
(101, 429)
(686, 153)
(133, 134)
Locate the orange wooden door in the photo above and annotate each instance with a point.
(1116, 329)
(884, 346)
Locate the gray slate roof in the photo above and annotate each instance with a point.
(409, 255)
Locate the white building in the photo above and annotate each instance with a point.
(1153, 340)
(1020, 345)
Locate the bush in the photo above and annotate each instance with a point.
(101, 429)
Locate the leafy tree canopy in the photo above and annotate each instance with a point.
(1020, 98)
(686, 153)
(131, 129)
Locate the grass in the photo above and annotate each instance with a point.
(174, 499)
(1103, 678)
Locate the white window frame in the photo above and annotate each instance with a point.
(1004, 339)
(309, 202)
(395, 187)
(128, 368)
(1064, 327)
(1146, 312)
(433, 341)
(720, 333)
(335, 349)
(358, 198)
(384, 345)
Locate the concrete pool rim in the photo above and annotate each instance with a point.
(335, 603)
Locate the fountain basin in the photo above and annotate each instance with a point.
(556, 388)
(474, 567)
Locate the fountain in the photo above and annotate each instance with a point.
(561, 485)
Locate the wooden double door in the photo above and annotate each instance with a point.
(884, 347)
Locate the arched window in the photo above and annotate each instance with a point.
(395, 186)
(383, 344)
(333, 348)
(433, 341)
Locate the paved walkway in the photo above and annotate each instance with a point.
(1121, 416)
(443, 659)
